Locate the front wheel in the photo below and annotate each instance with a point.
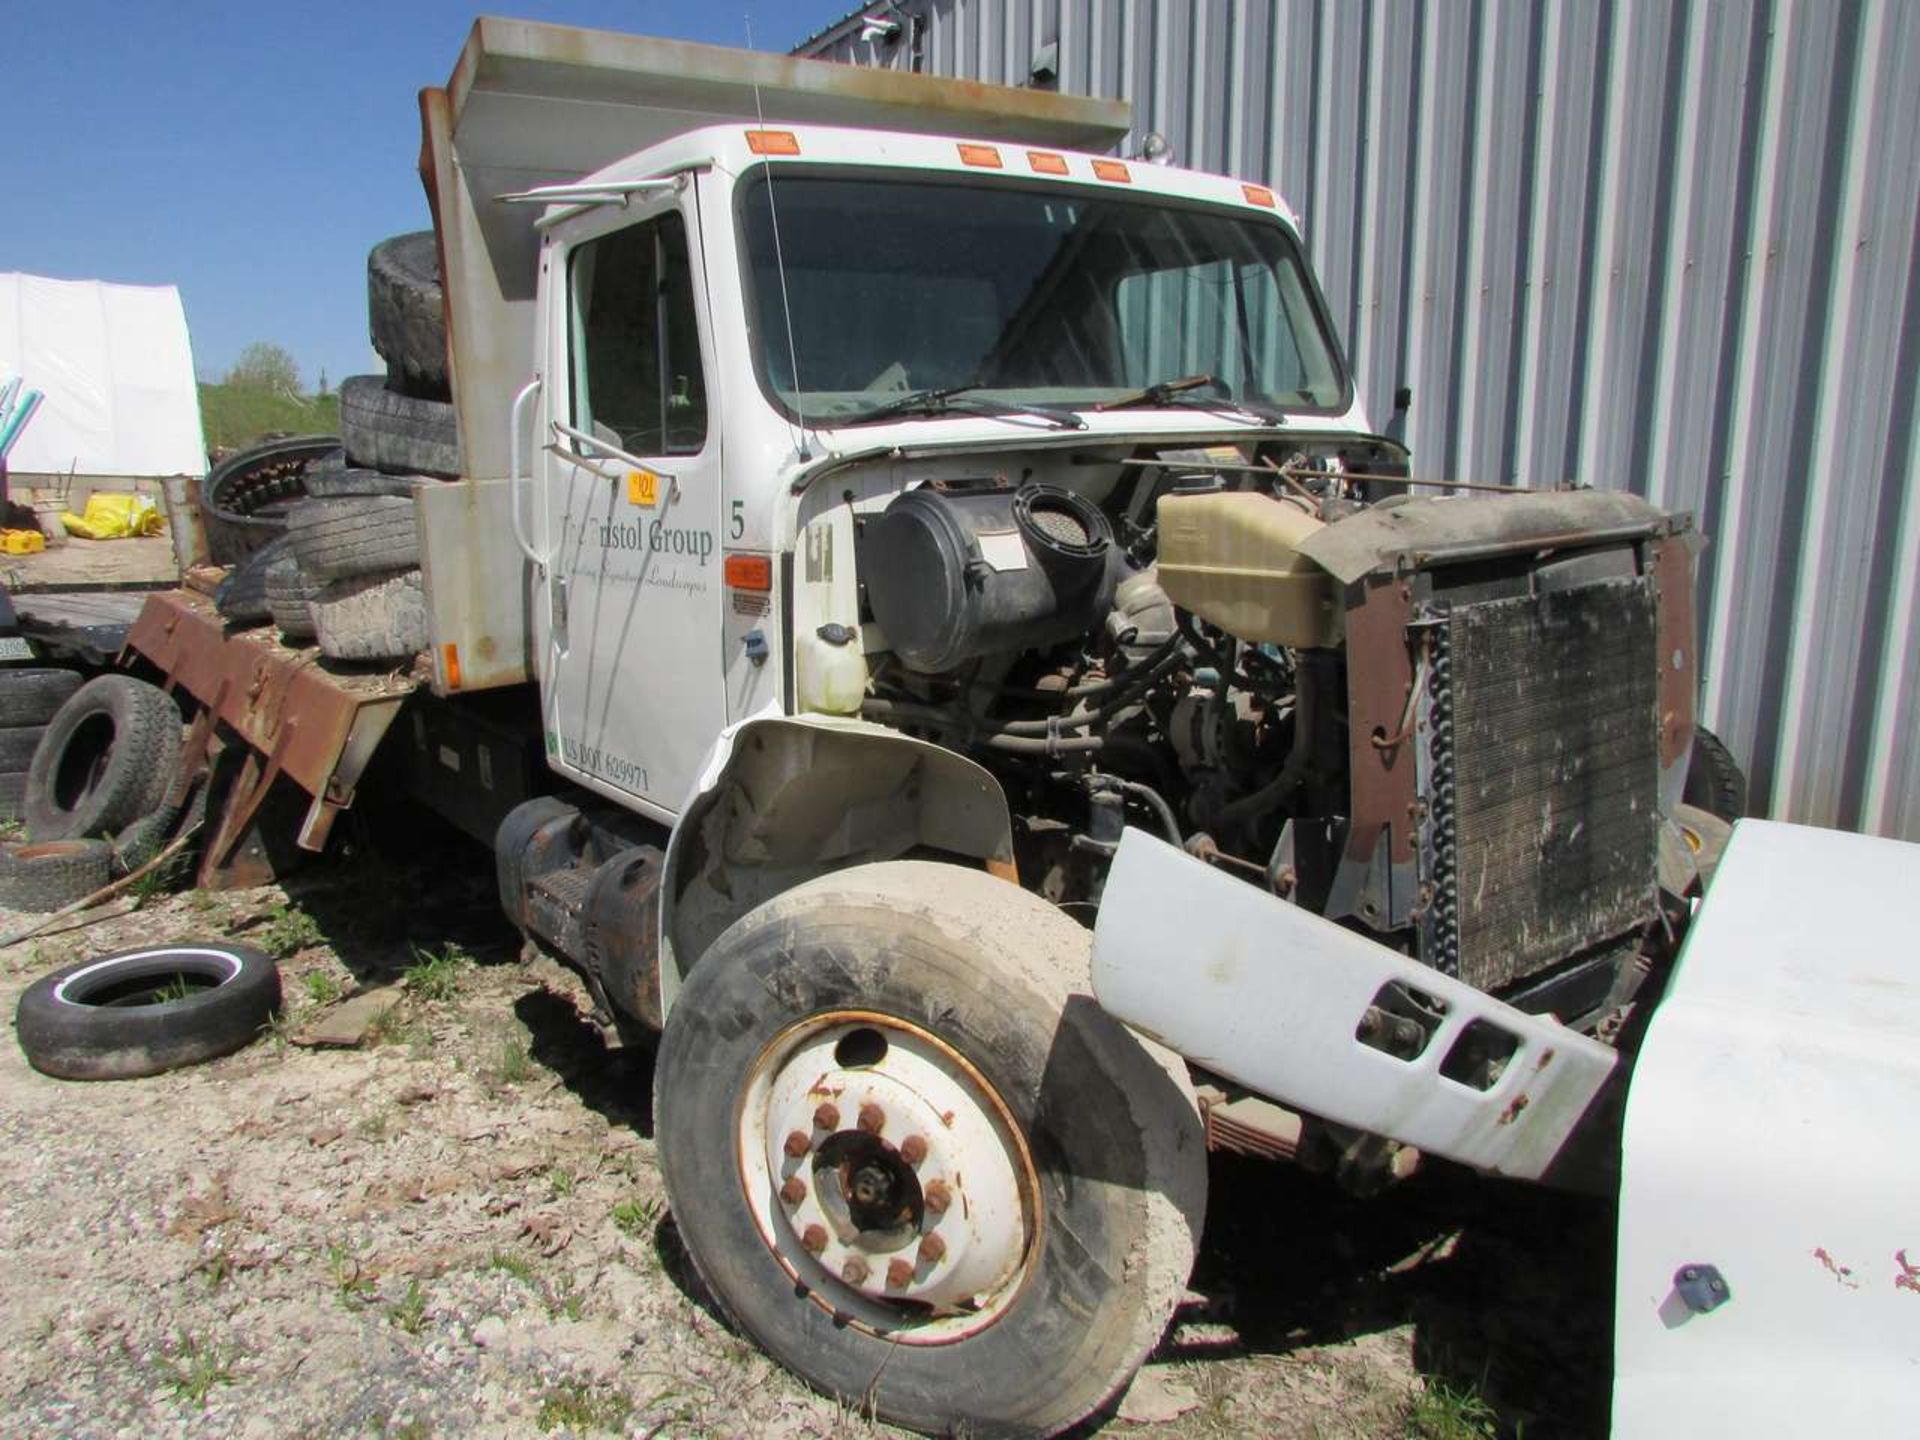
(917, 1163)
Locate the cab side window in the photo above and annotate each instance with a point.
(634, 349)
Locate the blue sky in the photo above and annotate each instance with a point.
(251, 153)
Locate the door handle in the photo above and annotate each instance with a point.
(514, 431)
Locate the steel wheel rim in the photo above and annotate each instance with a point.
(919, 1222)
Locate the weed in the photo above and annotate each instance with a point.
(374, 1127)
(637, 1217)
(217, 1268)
(321, 987)
(519, 1267)
(1446, 1412)
(286, 930)
(565, 1303)
(192, 1367)
(11, 830)
(510, 1064)
(582, 1405)
(561, 1182)
(202, 902)
(409, 1312)
(348, 1283)
(400, 1026)
(436, 977)
(175, 989)
(390, 1429)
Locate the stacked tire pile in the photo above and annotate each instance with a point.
(321, 532)
(98, 791)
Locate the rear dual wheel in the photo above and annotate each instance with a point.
(914, 1159)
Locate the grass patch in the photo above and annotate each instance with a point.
(561, 1181)
(436, 977)
(286, 931)
(581, 1405)
(191, 1368)
(509, 1064)
(343, 1268)
(409, 1312)
(518, 1266)
(237, 415)
(1449, 1412)
(321, 987)
(637, 1217)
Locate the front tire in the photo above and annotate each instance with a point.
(905, 1052)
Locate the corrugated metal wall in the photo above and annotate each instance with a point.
(1666, 245)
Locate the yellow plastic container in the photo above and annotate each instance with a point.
(22, 542)
(1232, 559)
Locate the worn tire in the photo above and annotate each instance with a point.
(30, 696)
(108, 757)
(13, 795)
(997, 980)
(88, 1022)
(289, 593)
(240, 496)
(338, 481)
(17, 744)
(1715, 781)
(406, 312)
(386, 430)
(53, 874)
(371, 617)
(337, 539)
(242, 596)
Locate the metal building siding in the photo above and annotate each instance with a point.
(1665, 245)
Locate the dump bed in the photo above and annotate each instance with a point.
(531, 104)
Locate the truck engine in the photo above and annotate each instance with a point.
(1446, 721)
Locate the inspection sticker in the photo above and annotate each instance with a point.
(643, 488)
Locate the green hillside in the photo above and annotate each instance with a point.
(236, 415)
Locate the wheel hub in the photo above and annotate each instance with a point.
(885, 1173)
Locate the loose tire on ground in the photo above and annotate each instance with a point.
(48, 876)
(108, 757)
(117, 1017)
(884, 978)
(1715, 781)
(29, 696)
(371, 617)
(406, 312)
(339, 538)
(385, 430)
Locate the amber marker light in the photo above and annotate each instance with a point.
(451, 655)
(773, 142)
(749, 572)
(1045, 162)
(1258, 195)
(1113, 170)
(985, 156)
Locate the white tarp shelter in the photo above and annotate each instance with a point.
(117, 371)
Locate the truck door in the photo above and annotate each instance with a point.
(628, 616)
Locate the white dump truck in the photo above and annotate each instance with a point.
(888, 535)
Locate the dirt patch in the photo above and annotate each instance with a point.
(458, 1229)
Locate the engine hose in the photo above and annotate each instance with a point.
(1050, 729)
(1251, 807)
(1093, 687)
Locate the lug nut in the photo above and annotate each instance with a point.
(913, 1149)
(854, 1272)
(827, 1115)
(899, 1274)
(872, 1118)
(794, 1190)
(798, 1144)
(937, 1197)
(814, 1240)
(932, 1249)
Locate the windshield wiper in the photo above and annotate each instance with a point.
(958, 400)
(1174, 394)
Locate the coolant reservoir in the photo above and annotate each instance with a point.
(1231, 558)
(830, 670)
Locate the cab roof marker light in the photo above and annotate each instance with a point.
(1114, 170)
(987, 157)
(1045, 162)
(1258, 195)
(773, 142)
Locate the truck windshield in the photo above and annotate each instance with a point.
(901, 284)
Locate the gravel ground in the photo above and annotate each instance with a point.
(458, 1229)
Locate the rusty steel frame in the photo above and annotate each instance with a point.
(317, 727)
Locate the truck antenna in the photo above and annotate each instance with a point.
(780, 268)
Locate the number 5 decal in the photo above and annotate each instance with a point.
(738, 522)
